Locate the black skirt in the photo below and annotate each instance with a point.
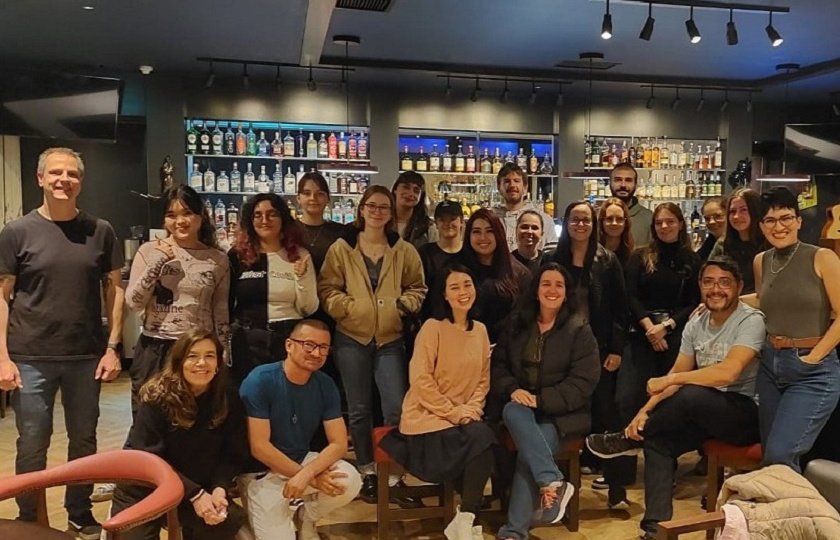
(440, 455)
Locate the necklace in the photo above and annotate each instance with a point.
(787, 262)
(308, 229)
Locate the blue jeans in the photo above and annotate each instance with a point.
(359, 366)
(536, 444)
(795, 401)
(33, 406)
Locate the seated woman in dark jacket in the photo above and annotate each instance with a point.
(546, 363)
(186, 417)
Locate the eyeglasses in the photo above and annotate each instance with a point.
(376, 209)
(268, 216)
(310, 346)
(580, 221)
(723, 283)
(786, 221)
(615, 220)
(714, 217)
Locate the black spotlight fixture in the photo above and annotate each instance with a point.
(731, 31)
(676, 101)
(211, 77)
(476, 90)
(691, 27)
(701, 102)
(503, 98)
(725, 104)
(311, 84)
(533, 98)
(749, 102)
(647, 29)
(606, 24)
(651, 99)
(246, 80)
(772, 34)
(447, 93)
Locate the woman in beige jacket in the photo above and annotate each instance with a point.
(369, 281)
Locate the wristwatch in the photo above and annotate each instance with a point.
(116, 347)
(670, 324)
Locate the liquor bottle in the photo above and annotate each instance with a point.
(698, 156)
(323, 147)
(674, 160)
(545, 166)
(290, 181)
(192, 138)
(353, 185)
(422, 164)
(219, 212)
(603, 188)
(332, 183)
(289, 145)
(230, 142)
(311, 147)
(216, 141)
(292, 210)
(681, 187)
(548, 207)
(695, 218)
(232, 215)
(460, 162)
(534, 165)
(655, 154)
(204, 140)
(615, 155)
(263, 185)
(594, 159)
(196, 179)
(363, 183)
(485, 164)
(277, 145)
(277, 179)
(718, 191)
(342, 146)
(251, 142)
(263, 147)
(209, 180)
(624, 153)
(352, 147)
(222, 183)
(362, 145)
(657, 187)
(641, 148)
(496, 165)
(587, 152)
(648, 152)
(332, 146)
(689, 185)
(522, 160)
(302, 149)
(447, 160)
(298, 175)
(704, 160)
(664, 154)
(718, 159)
(434, 159)
(338, 212)
(241, 142)
(470, 163)
(235, 179)
(605, 155)
(509, 158)
(406, 163)
(341, 183)
(327, 215)
(249, 182)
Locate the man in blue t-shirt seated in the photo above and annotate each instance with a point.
(708, 394)
(285, 403)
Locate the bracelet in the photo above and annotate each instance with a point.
(197, 496)
(115, 346)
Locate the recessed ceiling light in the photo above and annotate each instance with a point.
(88, 8)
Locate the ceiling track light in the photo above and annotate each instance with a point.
(447, 93)
(701, 102)
(647, 29)
(731, 31)
(504, 97)
(476, 90)
(725, 104)
(749, 103)
(606, 24)
(533, 98)
(651, 99)
(246, 81)
(691, 27)
(211, 77)
(311, 84)
(676, 101)
(772, 34)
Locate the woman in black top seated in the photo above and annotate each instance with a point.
(187, 418)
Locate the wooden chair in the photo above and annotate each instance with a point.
(4, 396)
(384, 513)
(721, 455)
(671, 530)
(118, 466)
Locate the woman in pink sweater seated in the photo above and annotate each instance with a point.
(441, 434)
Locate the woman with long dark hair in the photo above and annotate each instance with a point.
(441, 434)
(743, 239)
(545, 366)
(614, 231)
(599, 292)
(499, 278)
(272, 283)
(179, 283)
(369, 281)
(662, 291)
(186, 417)
(313, 196)
(412, 217)
(714, 212)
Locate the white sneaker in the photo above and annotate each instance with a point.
(103, 492)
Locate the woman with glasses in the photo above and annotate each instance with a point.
(743, 239)
(714, 211)
(662, 291)
(598, 288)
(313, 196)
(272, 283)
(615, 232)
(413, 223)
(370, 280)
(797, 286)
(529, 232)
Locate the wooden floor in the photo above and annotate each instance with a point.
(357, 520)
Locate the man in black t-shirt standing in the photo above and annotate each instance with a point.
(55, 262)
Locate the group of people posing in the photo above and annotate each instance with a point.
(522, 335)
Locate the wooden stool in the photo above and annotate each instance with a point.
(4, 396)
(568, 460)
(384, 513)
(720, 455)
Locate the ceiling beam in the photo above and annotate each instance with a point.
(318, 15)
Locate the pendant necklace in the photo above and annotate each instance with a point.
(787, 262)
(317, 235)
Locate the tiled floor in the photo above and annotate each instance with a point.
(358, 520)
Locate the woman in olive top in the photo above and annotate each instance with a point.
(797, 288)
(412, 219)
(442, 435)
(369, 281)
(743, 239)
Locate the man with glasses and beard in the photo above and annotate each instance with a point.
(623, 182)
(708, 394)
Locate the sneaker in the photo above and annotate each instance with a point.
(85, 527)
(103, 492)
(617, 498)
(589, 470)
(369, 488)
(600, 483)
(554, 499)
(610, 445)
